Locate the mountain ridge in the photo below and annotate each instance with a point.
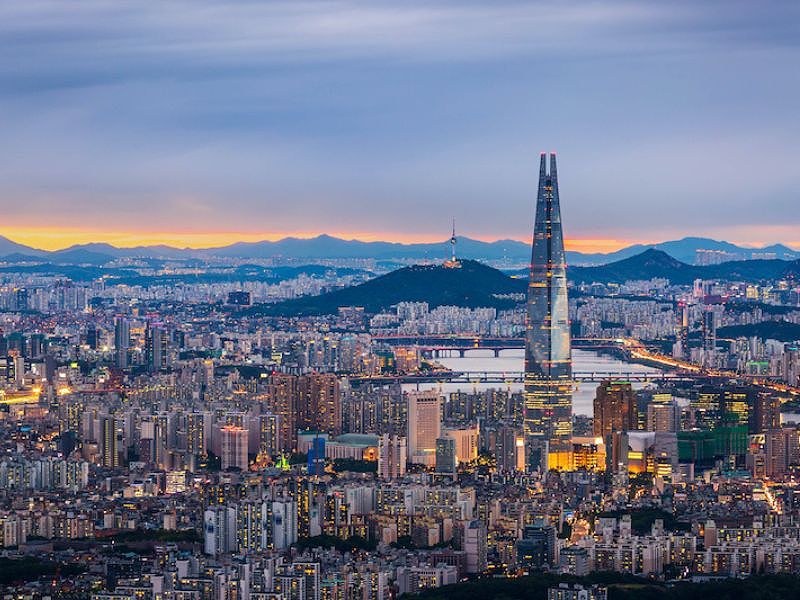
(329, 247)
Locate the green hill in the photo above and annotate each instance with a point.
(656, 263)
(473, 285)
(783, 331)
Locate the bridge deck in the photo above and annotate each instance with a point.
(508, 377)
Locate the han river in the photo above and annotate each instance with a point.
(583, 361)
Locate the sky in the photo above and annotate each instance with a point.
(198, 123)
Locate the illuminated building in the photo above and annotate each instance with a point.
(645, 452)
(588, 453)
(250, 527)
(663, 416)
(709, 330)
(265, 434)
(446, 456)
(564, 591)
(109, 442)
(766, 413)
(196, 435)
(175, 482)
(548, 360)
(319, 406)
(391, 456)
(509, 449)
(574, 560)
(281, 400)
(234, 447)
(614, 409)
(156, 347)
(122, 341)
(424, 426)
(466, 442)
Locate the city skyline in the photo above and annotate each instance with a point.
(275, 119)
(286, 314)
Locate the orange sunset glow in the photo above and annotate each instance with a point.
(53, 238)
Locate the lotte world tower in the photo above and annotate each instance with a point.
(548, 361)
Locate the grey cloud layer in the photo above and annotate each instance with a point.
(366, 115)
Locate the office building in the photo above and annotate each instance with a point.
(424, 426)
(614, 409)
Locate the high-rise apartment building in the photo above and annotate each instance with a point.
(109, 442)
(548, 359)
(265, 435)
(157, 347)
(446, 456)
(392, 455)
(197, 432)
(234, 447)
(319, 404)
(122, 341)
(281, 399)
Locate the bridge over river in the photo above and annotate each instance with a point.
(510, 377)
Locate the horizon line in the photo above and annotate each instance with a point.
(52, 239)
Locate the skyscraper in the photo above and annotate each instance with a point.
(157, 347)
(320, 405)
(424, 426)
(548, 360)
(391, 456)
(615, 409)
(234, 447)
(122, 340)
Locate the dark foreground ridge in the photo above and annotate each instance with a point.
(623, 587)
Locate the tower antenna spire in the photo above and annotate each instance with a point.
(453, 241)
(452, 262)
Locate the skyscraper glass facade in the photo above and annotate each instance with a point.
(548, 360)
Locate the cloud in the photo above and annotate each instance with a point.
(360, 116)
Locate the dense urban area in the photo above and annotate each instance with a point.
(167, 439)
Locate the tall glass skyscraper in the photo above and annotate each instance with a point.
(548, 359)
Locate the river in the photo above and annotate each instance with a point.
(583, 361)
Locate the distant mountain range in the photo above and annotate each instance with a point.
(327, 247)
(685, 250)
(476, 284)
